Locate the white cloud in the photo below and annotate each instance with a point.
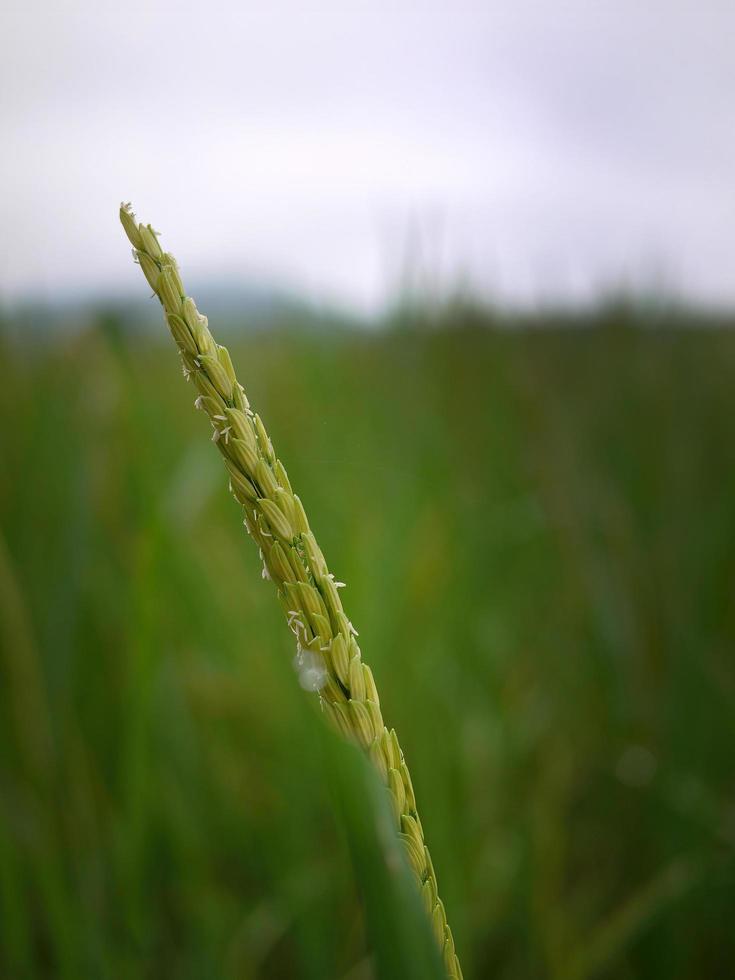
(541, 148)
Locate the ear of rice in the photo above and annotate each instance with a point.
(328, 659)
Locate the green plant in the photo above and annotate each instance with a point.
(328, 657)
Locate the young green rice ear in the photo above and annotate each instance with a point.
(328, 658)
(150, 268)
(181, 333)
(149, 241)
(130, 225)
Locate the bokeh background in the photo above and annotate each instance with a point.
(475, 266)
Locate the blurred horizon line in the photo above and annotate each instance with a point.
(259, 304)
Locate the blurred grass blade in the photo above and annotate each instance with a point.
(615, 933)
(400, 933)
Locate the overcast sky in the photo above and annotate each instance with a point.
(540, 151)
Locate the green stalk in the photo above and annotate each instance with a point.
(328, 656)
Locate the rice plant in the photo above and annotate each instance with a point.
(328, 658)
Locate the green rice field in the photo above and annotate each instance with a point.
(537, 531)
